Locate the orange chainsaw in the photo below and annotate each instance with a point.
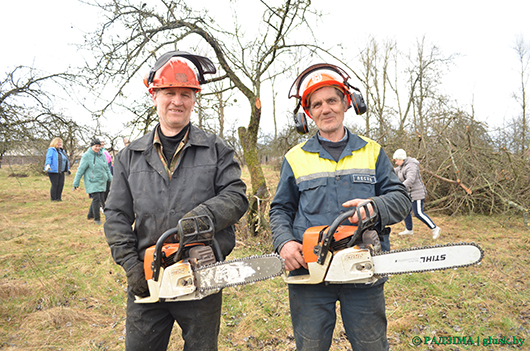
(343, 254)
(193, 267)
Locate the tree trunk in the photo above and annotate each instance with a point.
(259, 193)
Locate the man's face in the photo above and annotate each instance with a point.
(327, 110)
(174, 106)
(399, 162)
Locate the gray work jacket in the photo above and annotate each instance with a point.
(143, 203)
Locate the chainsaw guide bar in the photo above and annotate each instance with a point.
(427, 258)
(238, 272)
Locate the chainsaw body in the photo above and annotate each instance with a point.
(332, 255)
(193, 268)
(168, 267)
(345, 254)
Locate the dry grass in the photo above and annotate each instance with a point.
(60, 290)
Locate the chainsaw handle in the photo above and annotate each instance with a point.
(326, 239)
(363, 224)
(157, 255)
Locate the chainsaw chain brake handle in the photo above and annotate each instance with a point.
(363, 224)
(198, 235)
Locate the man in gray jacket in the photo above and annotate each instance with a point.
(408, 171)
(174, 172)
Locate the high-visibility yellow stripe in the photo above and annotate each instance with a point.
(308, 165)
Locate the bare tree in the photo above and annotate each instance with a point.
(376, 60)
(523, 54)
(133, 34)
(28, 115)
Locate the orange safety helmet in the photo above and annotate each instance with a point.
(179, 69)
(318, 76)
(318, 79)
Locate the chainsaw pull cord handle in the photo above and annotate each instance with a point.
(367, 222)
(157, 256)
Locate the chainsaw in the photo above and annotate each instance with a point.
(344, 254)
(193, 267)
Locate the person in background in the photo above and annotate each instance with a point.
(56, 165)
(94, 168)
(126, 141)
(175, 171)
(108, 157)
(408, 171)
(320, 179)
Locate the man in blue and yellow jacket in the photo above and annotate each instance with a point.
(319, 180)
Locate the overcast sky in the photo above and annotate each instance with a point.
(42, 34)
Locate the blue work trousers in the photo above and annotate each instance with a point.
(417, 208)
(313, 314)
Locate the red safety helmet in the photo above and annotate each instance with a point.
(179, 69)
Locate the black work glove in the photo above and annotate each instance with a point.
(136, 281)
(190, 226)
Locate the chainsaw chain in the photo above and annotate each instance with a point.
(428, 247)
(220, 263)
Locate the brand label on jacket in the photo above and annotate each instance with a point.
(363, 178)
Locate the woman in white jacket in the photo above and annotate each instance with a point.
(408, 171)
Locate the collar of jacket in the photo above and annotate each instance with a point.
(90, 151)
(196, 137)
(354, 143)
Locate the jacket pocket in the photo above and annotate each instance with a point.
(363, 185)
(314, 196)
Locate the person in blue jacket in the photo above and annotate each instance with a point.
(56, 165)
(320, 179)
(94, 168)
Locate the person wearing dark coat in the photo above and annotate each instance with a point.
(176, 171)
(56, 165)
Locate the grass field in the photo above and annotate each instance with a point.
(60, 289)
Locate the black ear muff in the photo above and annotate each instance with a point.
(357, 100)
(300, 122)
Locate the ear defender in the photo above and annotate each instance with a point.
(300, 121)
(357, 100)
(318, 76)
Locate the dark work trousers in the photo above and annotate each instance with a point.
(97, 202)
(57, 180)
(106, 192)
(313, 314)
(149, 325)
